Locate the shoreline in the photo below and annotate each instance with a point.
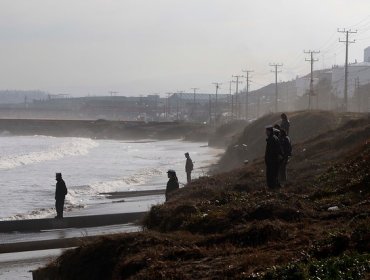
(115, 204)
(106, 129)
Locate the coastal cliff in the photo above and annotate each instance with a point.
(229, 226)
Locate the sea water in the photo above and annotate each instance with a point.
(90, 168)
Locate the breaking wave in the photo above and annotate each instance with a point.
(73, 147)
(71, 203)
(140, 177)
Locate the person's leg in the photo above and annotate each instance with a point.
(276, 175)
(282, 172)
(61, 208)
(269, 177)
(188, 177)
(59, 204)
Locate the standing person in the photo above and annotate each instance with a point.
(189, 166)
(272, 157)
(60, 193)
(172, 184)
(276, 130)
(286, 148)
(285, 124)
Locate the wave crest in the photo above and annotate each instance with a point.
(74, 147)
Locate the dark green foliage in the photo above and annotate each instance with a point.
(346, 267)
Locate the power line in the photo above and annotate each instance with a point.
(276, 65)
(347, 32)
(361, 22)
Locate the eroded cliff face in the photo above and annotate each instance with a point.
(304, 125)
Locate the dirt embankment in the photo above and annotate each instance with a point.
(226, 134)
(102, 129)
(228, 226)
(304, 125)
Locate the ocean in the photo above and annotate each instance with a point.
(90, 167)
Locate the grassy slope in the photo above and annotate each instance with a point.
(304, 125)
(229, 226)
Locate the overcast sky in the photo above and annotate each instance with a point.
(140, 47)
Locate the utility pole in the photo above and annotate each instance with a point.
(357, 92)
(346, 65)
(237, 103)
(210, 109)
(179, 104)
(216, 102)
(276, 65)
(168, 111)
(194, 104)
(247, 93)
(311, 60)
(231, 100)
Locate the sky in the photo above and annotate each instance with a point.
(141, 47)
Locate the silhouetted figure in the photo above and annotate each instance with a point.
(285, 124)
(189, 166)
(172, 184)
(60, 193)
(273, 156)
(276, 130)
(286, 148)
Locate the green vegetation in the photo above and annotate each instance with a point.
(345, 267)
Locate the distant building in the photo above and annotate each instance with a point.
(367, 54)
(360, 71)
(21, 96)
(302, 84)
(356, 71)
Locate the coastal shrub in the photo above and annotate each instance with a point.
(335, 245)
(256, 234)
(345, 267)
(165, 218)
(274, 211)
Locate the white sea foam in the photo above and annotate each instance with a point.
(72, 147)
(28, 192)
(70, 204)
(140, 177)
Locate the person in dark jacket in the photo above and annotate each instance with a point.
(172, 184)
(285, 124)
(189, 166)
(276, 130)
(60, 193)
(286, 148)
(273, 156)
